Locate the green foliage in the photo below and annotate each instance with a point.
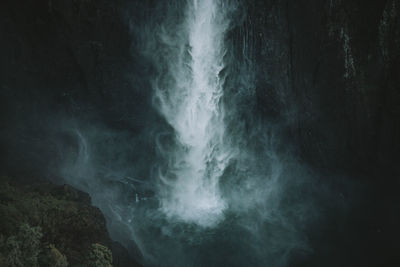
(99, 256)
(52, 257)
(12, 252)
(23, 248)
(71, 227)
(58, 259)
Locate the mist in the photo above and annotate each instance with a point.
(219, 189)
(214, 132)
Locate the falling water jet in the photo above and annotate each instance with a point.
(192, 106)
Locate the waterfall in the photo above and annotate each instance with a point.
(192, 105)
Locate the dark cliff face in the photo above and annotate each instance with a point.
(79, 63)
(330, 70)
(327, 72)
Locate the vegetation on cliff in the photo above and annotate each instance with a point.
(49, 225)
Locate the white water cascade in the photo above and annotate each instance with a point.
(191, 103)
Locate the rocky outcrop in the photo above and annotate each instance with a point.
(50, 225)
